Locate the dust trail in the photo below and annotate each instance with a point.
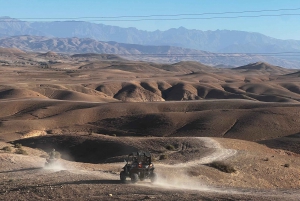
(180, 180)
(61, 165)
(219, 154)
(55, 166)
(176, 176)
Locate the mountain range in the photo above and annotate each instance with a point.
(160, 54)
(225, 41)
(175, 40)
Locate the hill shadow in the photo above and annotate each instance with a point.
(289, 143)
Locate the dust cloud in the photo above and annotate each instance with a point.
(180, 180)
(176, 176)
(56, 166)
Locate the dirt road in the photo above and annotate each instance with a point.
(25, 178)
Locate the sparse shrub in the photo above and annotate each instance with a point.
(170, 147)
(163, 157)
(18, 145)
(7, 149)
(194, 173)
(266, 159)
(21, 151)
(45, 65)
(286, 165)
(222, 166)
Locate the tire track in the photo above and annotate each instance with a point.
(179, 179)
(218, 154)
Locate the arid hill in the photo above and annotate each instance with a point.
(49, 54)
(262, 66)
(102, 77)
(98, 57)
(12, 51)
(214, 133)
(42, 95)
(248, 120)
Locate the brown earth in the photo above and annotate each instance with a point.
(261, 172)
(95, 109)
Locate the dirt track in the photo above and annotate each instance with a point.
(23, 178)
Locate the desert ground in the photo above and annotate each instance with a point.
(95, 109)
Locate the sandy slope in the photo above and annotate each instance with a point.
(250, 120)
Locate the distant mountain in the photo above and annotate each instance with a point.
(164, 54)
(215, 41)
(87, 45)
(14, 27)
(225, 41)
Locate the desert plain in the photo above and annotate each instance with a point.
(95, 109)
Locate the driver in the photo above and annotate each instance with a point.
(52, 154)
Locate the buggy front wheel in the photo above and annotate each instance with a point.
(153, 177)
(134, 177)
(123, 176)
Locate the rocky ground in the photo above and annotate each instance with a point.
(25, 177)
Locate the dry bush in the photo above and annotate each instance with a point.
(266, 159)
(163, 157)
(7, 149)
(286, 165)
(224, 167)
(18, 145)
(194, 173)
(170, 147)
(21, 151)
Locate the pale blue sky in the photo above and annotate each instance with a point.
(283, 27)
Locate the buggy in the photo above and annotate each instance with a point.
(50, 162)
(138, 167)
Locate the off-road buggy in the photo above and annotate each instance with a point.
(138, 167)
(50, 162)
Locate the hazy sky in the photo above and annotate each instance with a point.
(283, 27)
